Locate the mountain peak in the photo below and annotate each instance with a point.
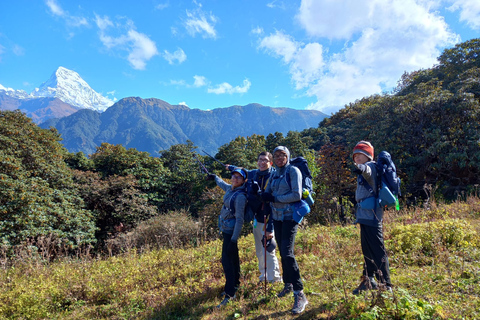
(68, 86)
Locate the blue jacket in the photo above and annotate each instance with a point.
(229, 222)
(284, 192)
(368, 217)
(262, 178)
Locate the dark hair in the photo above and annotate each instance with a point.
(266, 153)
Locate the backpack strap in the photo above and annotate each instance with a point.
(232, 200)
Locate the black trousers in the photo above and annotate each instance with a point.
(231, 266)
(374, 253)
(285, 232)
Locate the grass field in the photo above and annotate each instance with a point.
(434, 257)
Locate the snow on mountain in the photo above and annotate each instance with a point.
(19, 94)
(68, 86)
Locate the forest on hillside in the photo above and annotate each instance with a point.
(429, 124)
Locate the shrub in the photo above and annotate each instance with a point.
(174, 229)
(420, 242)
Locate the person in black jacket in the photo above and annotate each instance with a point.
(262, 212)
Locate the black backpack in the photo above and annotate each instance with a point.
(249, 214)
(302, 164)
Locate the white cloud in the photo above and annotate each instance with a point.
(469, 12)
(183, 103)
(139, 46)
(162, 6)
(199, 22)
(18, 50)
(257, 31)
(305, 61)
(381, 40)
(178, 55)
(276, 4)
(70, 20)
(228, 88)
(55, 8)
(200, 81)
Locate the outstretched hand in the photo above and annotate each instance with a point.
(210, 176)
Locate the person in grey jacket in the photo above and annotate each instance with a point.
(262, 224)
(282, 194)
(369, 214)
(230, 223)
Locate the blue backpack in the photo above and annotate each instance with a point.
(388, 173)
(387, 181)
(302, 164)
(249, 214)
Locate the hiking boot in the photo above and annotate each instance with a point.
(225, 301)
(300, 302)
(286, 290)
(368, 283)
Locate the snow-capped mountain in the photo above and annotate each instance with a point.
(19, 94)
(68, 86)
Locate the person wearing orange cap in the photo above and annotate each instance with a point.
(369, 214)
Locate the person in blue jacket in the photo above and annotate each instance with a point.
(262, 212)
(282, 194)
(230, 223)
(370, 219)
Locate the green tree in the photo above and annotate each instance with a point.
(184, 181)
(242, 152)
(37, 194)
(149, 171)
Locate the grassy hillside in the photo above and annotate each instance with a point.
(434, 258)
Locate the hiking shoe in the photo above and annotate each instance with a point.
(368, 283)
(286, 290)
(300, 302)
(225, 301)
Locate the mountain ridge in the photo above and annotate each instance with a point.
(153, 125)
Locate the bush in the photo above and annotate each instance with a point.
(423, 241)
(174, 229)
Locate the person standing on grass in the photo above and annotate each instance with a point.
(369, 214)
(230, 223)
(262, 212)
(282, 194)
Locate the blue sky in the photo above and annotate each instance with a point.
(208, 54)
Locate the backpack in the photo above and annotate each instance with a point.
(388, 183)
(302, 164)
(388, 173)
(249, 214)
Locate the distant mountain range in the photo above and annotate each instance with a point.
(63, 94)
(153, 125)
(85, 118)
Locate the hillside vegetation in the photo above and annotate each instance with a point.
(435, 265)
(121, 234)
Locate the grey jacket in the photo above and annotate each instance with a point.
(229, 222)
(369, 217)
(285, 193)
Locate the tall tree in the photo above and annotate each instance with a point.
(37, 194)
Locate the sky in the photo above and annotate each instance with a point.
(301, 54)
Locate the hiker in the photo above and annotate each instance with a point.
(262, 211)
(369, 214)
(230, 223)
(282, 194)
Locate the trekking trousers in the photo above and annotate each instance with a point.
(374, 253)
(231, 266)
(285, 232)
(273, 269)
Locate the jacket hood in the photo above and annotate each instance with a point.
(284, 149)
